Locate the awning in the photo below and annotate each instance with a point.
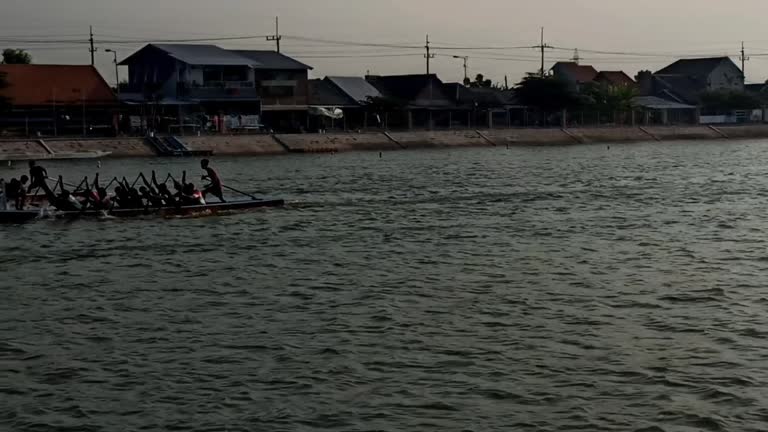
(653, 102)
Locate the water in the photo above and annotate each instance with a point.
(529, 289)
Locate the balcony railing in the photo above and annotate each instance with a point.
(223, 84)
(220, 93)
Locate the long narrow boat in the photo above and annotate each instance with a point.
(23, 216)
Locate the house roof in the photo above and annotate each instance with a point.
(356, 88)
(324, 93)
(694, 67)
(408, 88)
(271, 60)
(576, 72)
(653, 102)
(61, 84)
(617, 78)
(205, 55)
(682, 88)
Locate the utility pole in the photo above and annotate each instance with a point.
(543, 47)
(743, 59)
(465, 59)
(428, 56)
(92, 49)
(117, 72)
(276, 38)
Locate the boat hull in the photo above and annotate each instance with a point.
(23, 216)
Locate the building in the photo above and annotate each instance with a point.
(282, 83)
(484, 107)
(575, 74)
(57, 100)
(684, 81)
(179, 83)
(658, 111)
(614, 78)
(410, 101)
(354, 96)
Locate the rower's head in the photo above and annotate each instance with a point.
(143, 190)
(189, 188)
(176, 185)
(162, 188)
(24, 179)
(102, 192)
(118, 190)
(204, 163)
(64, 193)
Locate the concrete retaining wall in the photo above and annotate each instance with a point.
(746, 131)
(503, 137)
(119, 147)
(234, 144)
(312, 143)
(609, 135)
(667, 133)
(10, 149)
(465, 138)
(278, 144)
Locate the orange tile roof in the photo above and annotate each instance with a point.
(30, 85)
(578, 73)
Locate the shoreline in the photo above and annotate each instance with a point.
(258, 145)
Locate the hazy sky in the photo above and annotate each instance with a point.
(658, 29)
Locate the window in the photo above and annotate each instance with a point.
(278, 91)
(235, 73)
(211, 74)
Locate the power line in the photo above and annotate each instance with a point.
(351, 43)
(356, 56)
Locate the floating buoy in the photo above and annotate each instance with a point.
(380, 155)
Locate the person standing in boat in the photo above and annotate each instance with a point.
(38, 176)
(216, 187)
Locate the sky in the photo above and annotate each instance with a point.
(355, 37)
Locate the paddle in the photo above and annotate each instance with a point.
(242, 193)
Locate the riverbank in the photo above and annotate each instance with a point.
(254, 145)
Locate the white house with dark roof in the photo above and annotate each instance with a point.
(685, 80)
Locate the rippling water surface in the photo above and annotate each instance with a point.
(530, 289)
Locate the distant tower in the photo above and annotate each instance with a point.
(576, 58)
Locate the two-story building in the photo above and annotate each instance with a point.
(176, 85)
(685, 80)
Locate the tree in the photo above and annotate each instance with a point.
(725, 101)
(16, 56)
(548, 94)
(611, 98)
(479, 82)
